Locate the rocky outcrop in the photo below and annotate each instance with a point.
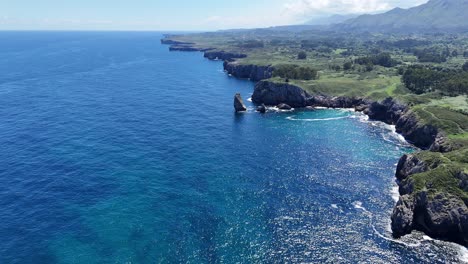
(338, 102)
(239, 105)
(261, 108)
(271, 93)
(284, 107)
(409, 165)
(440, 215)
(253, 72)
(420, 134)
(441, 144)
(223, 55)
(403, 216)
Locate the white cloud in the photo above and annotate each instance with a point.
(320, 7)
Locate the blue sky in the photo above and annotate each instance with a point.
(176, 14)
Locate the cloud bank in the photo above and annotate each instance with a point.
(323, 7)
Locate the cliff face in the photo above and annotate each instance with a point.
(270, 93)
(253, 72)
(389, 111)
(406, 122)
(440, 215)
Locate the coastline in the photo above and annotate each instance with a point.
(414, 209)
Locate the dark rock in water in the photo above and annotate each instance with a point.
(271, 93)
(361, 108)
(261, 109)
(284, 107)
(402, 217)
(239, 105)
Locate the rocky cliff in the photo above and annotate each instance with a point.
(253, 72)
(439, 214)
(270, 93)
(389, 110)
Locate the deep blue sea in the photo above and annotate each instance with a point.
(115, 150)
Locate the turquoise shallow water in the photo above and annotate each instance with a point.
(115, 150)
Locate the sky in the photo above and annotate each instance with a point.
(177, 14)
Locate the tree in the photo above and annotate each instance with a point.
(347, 66)
(302, 55)
(465, 66)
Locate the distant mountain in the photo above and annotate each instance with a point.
(435, 15)
(330, 20)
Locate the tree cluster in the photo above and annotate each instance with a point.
(420, 79)
(290, 71)
(382, 59)
(431, 55)
(250, 44)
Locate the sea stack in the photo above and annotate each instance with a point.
(239, 105)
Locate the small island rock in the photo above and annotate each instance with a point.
(239, 105)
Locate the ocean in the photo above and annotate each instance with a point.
(115, 150)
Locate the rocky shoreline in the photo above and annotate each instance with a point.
(439, 215)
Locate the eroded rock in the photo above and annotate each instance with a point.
(239, 105)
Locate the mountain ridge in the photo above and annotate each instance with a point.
(435, 15)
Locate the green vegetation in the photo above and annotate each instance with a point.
(429, 72)
(383, 59)
(444, 178)
(421, 79)
(291, 71)
(302, 55)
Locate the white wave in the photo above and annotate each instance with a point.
(358, 205)
(250, 99)
(427, 238)
(334, 206)
(395, 240)
(395, 193)
(316, 119)
(463, 254)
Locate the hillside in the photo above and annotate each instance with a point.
(330, 20)
(435, 15)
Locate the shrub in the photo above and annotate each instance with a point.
(302, 55)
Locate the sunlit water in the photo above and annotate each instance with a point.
(114, 150)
